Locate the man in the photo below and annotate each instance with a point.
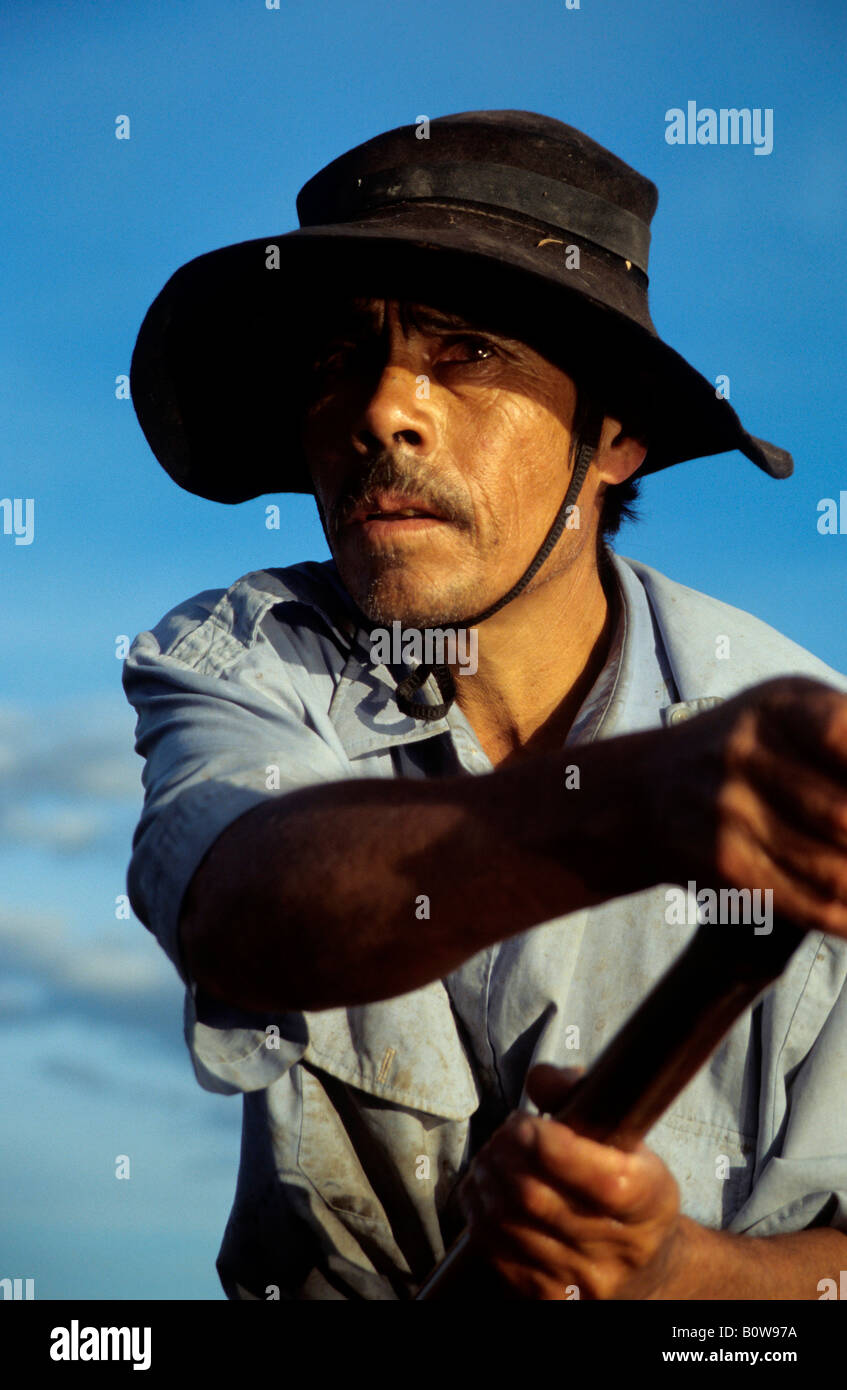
(386, 955)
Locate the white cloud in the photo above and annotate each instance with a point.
(70, 786)
(64, 828)
(63, 771)
(118, 973)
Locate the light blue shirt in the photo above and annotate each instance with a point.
(358, 1122)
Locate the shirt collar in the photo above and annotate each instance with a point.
(364, 709)
(625, 694)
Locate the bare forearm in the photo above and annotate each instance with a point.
(363, 890)
(721, 1265)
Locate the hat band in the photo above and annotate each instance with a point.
(560, 205)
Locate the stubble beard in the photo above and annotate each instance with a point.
(382, 596)
(386, 598)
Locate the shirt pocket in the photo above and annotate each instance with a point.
(712, 1164)
(386, 1094)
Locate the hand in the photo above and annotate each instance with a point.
(551, 1210)
(753, 794)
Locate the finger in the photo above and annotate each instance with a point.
(535, 1264)
(595, 1253)
(509, 1182)
(517, 1218)
(757, 848)
(511, 1185)
(798, 854)
(549, 1087)
(813, 718)
(809, 800)
(591, 1177)
(522, 1278)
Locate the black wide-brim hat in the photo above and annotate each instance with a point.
(515, 220)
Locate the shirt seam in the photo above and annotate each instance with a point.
(777, 1070)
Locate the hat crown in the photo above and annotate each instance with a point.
(518, 140)
(513, 212)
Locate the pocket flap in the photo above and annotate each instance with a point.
(405, 1050)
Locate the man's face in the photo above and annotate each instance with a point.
(414, 411)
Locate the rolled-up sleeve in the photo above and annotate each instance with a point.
(216, 743)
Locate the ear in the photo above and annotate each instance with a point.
(618, 455)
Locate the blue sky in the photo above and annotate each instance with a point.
(232, 107)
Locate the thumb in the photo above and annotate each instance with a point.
(549, 1086)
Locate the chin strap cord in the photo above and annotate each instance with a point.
(589, 439)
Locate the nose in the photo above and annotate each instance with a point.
(396, 412)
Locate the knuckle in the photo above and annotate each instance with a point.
(741, 739)
(838, 819)
(793, 687)
(835, 726)
(827, 875)
(785, 699)
(618, 1191)
(732, 799)
(526, 1280)
(835, 880)
(730, 857)
(832, 917)
(598, 1282)
(538, 1285)
(532, 1196)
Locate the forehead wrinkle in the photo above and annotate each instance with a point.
(420, 317)
(363, 316)
(428, 320)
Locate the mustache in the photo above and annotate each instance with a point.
(399, 473)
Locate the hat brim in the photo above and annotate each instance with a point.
(216, 375)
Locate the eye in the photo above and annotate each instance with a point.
(333, 357)
(466, 349)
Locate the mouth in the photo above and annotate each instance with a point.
(394, 512)
(407, 514)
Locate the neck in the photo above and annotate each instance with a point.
(538, 659)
